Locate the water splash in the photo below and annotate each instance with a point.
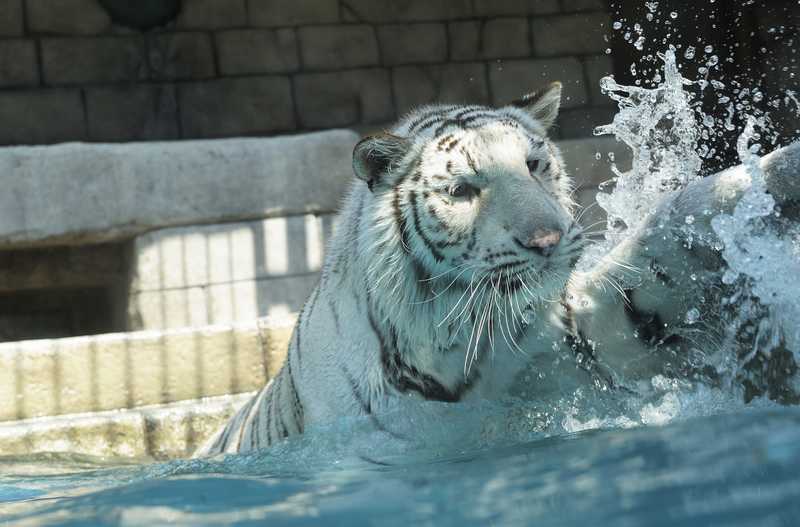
(760, 258)
(659, 126)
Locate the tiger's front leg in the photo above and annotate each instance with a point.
(654, 305)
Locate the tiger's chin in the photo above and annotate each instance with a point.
(536, 287)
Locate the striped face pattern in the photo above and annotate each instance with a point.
(480, 194)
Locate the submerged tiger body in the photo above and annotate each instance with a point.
(450, 275)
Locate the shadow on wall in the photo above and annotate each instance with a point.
(219, 274)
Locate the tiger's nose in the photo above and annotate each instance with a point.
(544, 241)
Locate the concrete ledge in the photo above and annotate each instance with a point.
(127, 370)
(155, 432)
(80, 193)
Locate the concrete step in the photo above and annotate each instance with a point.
(157, 432)
(52, 377)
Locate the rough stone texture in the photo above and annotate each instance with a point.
(412, 43)
(581, 122)
(202, 255)
(597, 68)
(61, 268)
(580, 34)
(585, 5)
(248, 51)
(326, 100)
(52, 377)
(580, 158)
(59, 17)
(157, 432)
(211, 14)
(337, 47)
(405, 10)
(513, 78)
(272, 13)
(454, 83)
(230, 107)
(225, 303)
(87, 60)
(143, 112)
(180, 56)
(136, 187)
(41, 117)
(18, 63)
(489, 39)
(11, 18)
(515, 7)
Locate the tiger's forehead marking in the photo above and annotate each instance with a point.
(435, 121)
(496, 142)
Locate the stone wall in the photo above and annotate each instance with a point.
(226, 68)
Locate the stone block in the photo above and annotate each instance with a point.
(11, 18)
(234, 107)
(41, 117)
(393, 11)
(489, 39)
(488, 8)
(582, 163)
(326, 100)
(9, 387)
(276, 13)
(116, 191)
(39, 382)
(412, 43)
(581, 122)
(50, 377)
(88, 60)
(211, 14)
(67, 17)
(157, 432)
(118, 371)
(585, 5)
(202, 255)
(248, 51)
(338, 47)
(225, 303)
(275, 336)
(180, 56)
(415, 86)
(597, 68)
(511, 79)
(577, 34)
(18, 63)
(113, 435)
(141, 112)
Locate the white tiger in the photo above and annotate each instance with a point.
(449, 276)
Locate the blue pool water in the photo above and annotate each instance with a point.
(735, 468)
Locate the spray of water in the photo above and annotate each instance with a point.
(663, 129)
(659, 127)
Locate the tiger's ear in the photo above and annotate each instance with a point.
(543, 104)
(375, 155)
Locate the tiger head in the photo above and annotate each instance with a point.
(477, 192)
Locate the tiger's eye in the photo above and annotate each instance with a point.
(533, 165)
(462, 190)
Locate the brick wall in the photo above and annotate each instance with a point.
(262, 67)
